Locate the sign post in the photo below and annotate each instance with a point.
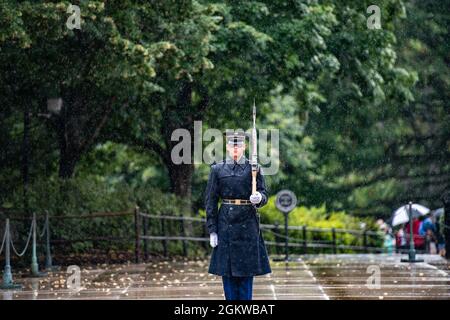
(286, 202)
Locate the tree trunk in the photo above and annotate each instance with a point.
(78, 128)
(67, 154)
(180, 179)
(67, 165)
(180, 175)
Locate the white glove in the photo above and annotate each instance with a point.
(256, 198)
(213, 239)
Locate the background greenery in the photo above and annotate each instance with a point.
(363, 114)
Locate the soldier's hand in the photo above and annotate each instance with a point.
(256, 198)
(213, 239)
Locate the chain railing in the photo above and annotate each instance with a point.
(30, 233)
(8, 246)
(3, 242)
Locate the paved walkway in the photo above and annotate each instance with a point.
(308, 277)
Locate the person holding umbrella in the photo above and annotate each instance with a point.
(409, 213)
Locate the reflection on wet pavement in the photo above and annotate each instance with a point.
(305, 277)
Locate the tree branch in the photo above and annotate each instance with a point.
(204, 102)
(90, 140)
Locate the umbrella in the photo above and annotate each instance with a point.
(438, 212)
(401, 215)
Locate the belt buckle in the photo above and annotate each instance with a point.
(238, 201)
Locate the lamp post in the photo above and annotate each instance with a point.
(54, 106)
(412, 250)
(25, 158)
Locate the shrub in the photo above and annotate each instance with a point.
(317, 217)
(82, 196)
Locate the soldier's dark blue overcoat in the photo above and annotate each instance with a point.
(241, 251)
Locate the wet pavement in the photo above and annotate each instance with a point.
(318, 277)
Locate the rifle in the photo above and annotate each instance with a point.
(254, 157)
(254, 163)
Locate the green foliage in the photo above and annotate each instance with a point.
(321, 218)
(378, 138)
(315, 217)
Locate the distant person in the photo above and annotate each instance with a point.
(419, 241)
(427, 230)
(440, 227)
(402, 242)
(389, 241)
(431, 241)
(427, 223)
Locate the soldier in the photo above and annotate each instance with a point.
(239, 251)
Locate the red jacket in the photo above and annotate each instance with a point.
(419, 241)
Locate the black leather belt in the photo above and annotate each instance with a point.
(239, 202)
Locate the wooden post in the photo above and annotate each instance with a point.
(365, 241)
(286, 244)
(333, 234)
(277, 238)
(145, 223)
(137, 232)
(163, 231)
(304, 239)
(48, 254)
(205, 235)
(183, 233)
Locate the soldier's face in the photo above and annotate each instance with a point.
(235, 151)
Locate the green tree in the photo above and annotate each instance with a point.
(390, 143)
(353, 130)
(94, 70)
